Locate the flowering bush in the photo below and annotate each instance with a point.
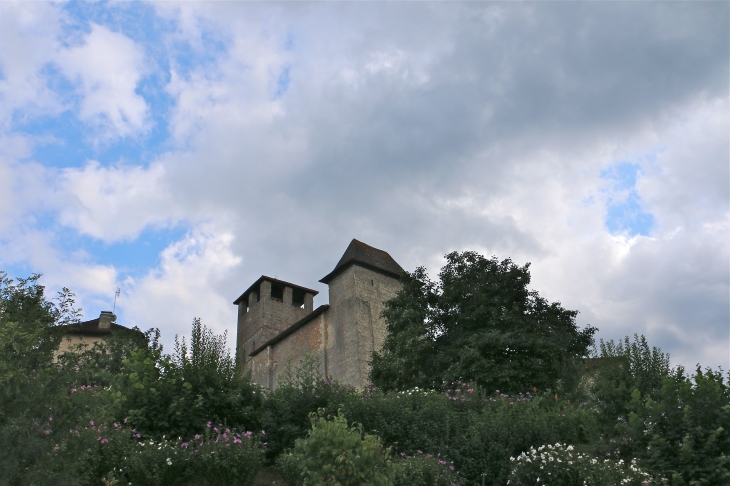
(116, 452)
(335, 453)
(561, 465)
(422, 470)
(221, 456)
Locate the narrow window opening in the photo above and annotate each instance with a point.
(372, 282)
(257, 297)
(297, 298)
(277, 292)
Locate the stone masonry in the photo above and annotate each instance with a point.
(278, 325)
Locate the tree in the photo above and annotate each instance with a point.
(480, 324)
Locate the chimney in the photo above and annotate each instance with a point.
(105, 320)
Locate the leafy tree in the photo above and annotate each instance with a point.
(617, 370)
(479, 323)
(683, 431)
(30, 385)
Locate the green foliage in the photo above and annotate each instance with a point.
(478, 431)
(618, 370)
(114, 453)
(561, 465)
(336, 454)
(422, 470)
(31, 391)
(683, 433)
(176, 395)
(479, 323)
(284, 413)
(676, 426)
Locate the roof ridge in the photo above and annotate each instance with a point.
(358, 252)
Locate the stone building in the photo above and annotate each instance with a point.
(278, 325)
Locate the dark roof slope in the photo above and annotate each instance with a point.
(358, 253)
(91, 328)
(274, 280)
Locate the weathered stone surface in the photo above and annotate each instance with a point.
(343, 335)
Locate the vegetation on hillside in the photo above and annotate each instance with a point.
(126, 412)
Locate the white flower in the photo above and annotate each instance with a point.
(570, 447)
(169, 462)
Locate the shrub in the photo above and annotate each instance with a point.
(175, 395)
(285, 412)
(335, 453)
(561, 465)
(478, 431)
(422, 470)
(117, 453)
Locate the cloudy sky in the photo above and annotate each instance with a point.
(180, 150)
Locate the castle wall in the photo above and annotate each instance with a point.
(355, 328)
(269, 364)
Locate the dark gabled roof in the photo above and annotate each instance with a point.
(358, 253)
(264, 277)
(91, 328)
(290, 329)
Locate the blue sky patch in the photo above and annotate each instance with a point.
(282, 82)
(624, 213)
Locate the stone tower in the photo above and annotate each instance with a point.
(277, 324)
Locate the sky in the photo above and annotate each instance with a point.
(178, 151)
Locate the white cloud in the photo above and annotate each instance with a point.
(186, 284)
(108, 67)
(28, 42)
(114, 203)
(420, 129)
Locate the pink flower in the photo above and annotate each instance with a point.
(56, 448)
(47, 432)
(73, 390)
(208, 424)
(104, 441)
(91, 422)
(263, 432)
(197, 436)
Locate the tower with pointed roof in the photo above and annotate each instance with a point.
(278, 326)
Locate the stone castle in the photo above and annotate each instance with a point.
(278, 325)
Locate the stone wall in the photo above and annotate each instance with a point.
(356, 328)
(263, 318)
